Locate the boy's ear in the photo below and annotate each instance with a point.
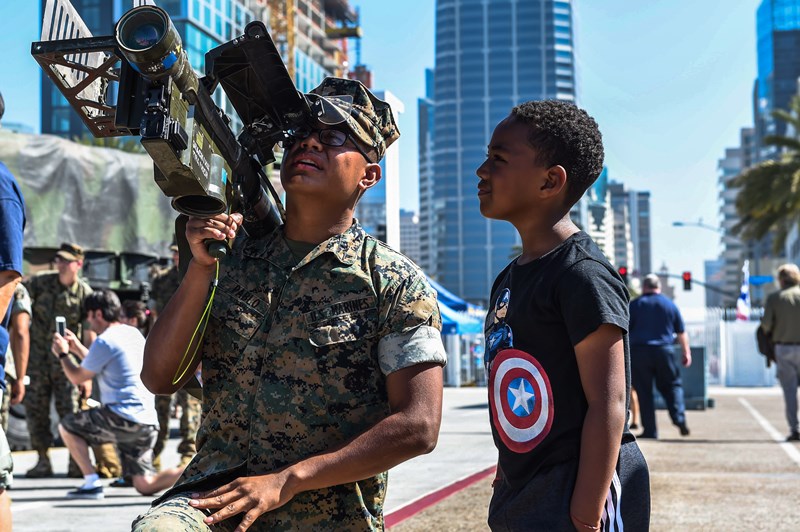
(555, 181)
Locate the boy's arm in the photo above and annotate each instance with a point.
(601, 364)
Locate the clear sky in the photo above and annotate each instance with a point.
(669, 82)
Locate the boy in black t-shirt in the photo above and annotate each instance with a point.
(556, 338)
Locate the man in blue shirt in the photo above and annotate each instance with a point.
(12, 222)
(655, 325)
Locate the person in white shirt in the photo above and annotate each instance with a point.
(127, 417)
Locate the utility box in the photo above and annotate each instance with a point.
(694, 379)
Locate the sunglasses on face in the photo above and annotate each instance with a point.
(328, 137)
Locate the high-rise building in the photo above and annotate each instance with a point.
(640, 232)
(490, 56)
(733, 251)
(632, 243)
(409, 234)
(778, 49)
(762, 258)
(715, 282)
(595, 215)
(623, 244)
(202, 25)
(378, 211)
(427, 212)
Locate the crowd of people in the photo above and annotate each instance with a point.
(36, 304)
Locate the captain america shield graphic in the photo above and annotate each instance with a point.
(520, 399)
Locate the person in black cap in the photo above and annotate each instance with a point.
(53, 294)
(321, 363)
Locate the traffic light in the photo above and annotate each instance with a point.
(623, 272)
(687, 280)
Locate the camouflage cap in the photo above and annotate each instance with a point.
(70, 252)
(370, 119)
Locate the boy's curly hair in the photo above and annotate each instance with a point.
(564, 134)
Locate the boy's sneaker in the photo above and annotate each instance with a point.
(95, 493)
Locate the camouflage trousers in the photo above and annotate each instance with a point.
(47, 380)
(5, 405)
(6, 463)
(176, 514)
(191, 410)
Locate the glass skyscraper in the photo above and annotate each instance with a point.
(778, 34)
(490, 56)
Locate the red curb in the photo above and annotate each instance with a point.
(415, 507)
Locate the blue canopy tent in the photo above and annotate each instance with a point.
(459, 332)
(453, 301)
(457, 323)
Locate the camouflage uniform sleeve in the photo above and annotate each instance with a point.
(412, 333)
(22, 301)
(87, 289)
(32, 286)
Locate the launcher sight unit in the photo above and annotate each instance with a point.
(140, 82)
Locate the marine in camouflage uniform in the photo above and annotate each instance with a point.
(50, 298)
(21, 304)
(163, 286)
(302, 345)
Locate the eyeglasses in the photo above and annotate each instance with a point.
(328, 137)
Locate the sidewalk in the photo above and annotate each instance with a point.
(733, 473)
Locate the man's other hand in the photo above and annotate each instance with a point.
(252, 496)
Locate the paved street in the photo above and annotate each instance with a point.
(732, 473)
(465, 446)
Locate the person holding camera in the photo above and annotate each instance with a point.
(321, 362)
(128, 416)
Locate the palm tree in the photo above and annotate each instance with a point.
(769, 198)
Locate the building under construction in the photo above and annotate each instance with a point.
(312, 36)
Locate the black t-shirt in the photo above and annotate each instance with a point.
(538, 312)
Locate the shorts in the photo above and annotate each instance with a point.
(6, 463)
(543, 503)
(134, 440)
